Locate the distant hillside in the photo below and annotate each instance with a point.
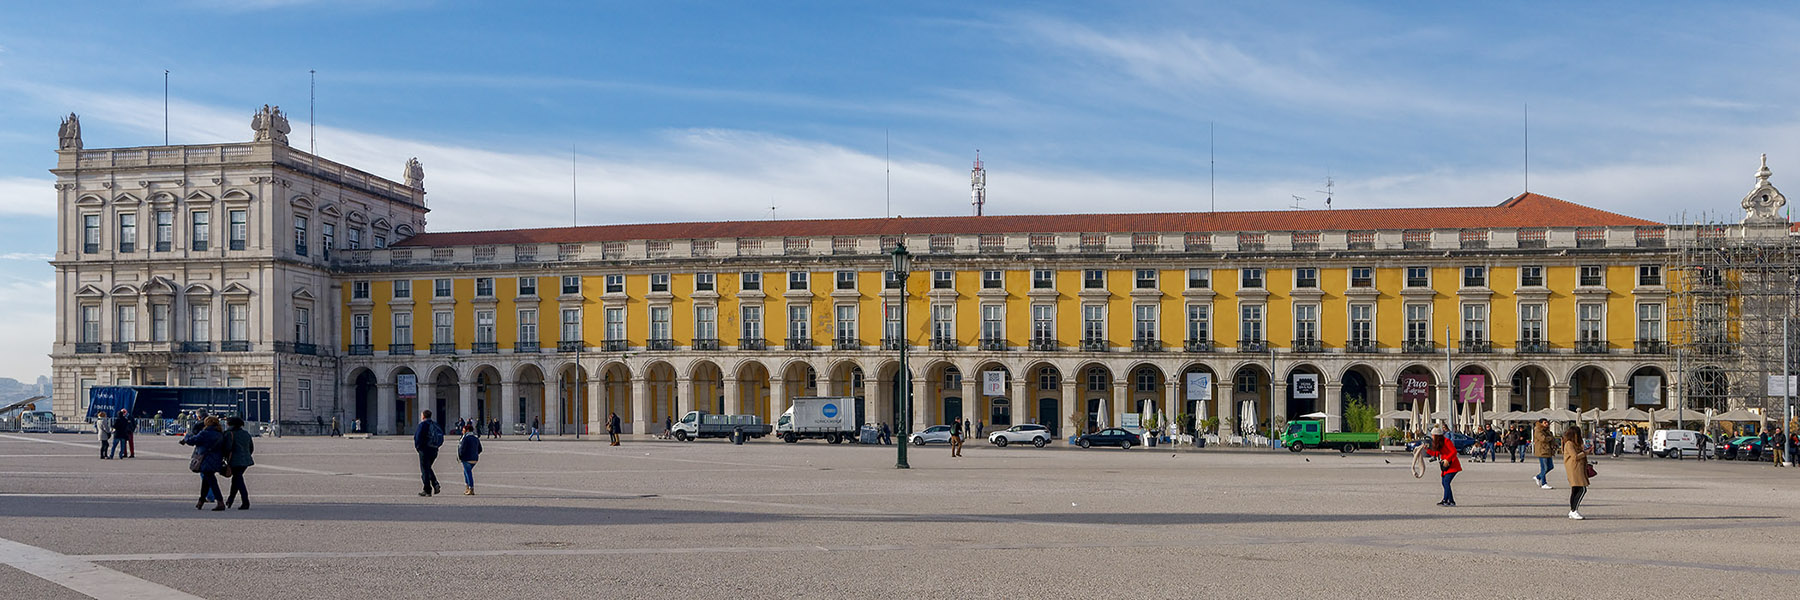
(13, 390)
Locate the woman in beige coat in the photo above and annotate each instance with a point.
(1543, 446)
(1575, 462)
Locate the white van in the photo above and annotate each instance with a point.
(1673, 443)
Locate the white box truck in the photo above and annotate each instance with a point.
(831, 418)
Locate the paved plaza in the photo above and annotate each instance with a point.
(577, 519)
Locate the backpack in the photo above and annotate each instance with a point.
(436, 436)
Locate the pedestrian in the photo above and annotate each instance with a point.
(980, 428)
(534, 431)
(1776, 441)
(956, 439)
(208, 442)
(131, 437)
(1615, 441)
(886, 435)
(1444, 451)
(1514, 446)
(612, 428)
(335, 431)
(668, 426)
(1544, 448)
(427, 438)
(356, 426)
(468, 452)
(238, 450)
(103, 426)
(1642, 448)
(1575, 461)
(121, 430)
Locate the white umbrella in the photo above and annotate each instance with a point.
(1737, 414)
(1396, 414)
(1559, 414)
(1315, 415)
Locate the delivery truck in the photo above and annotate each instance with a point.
(830, 418)
(1305, 434)
(701, 424)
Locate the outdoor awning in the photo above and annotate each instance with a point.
(1737, 414)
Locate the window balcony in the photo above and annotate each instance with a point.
(1475, 347)
(706, 343)
(1651, 347)
(1591, 347)
(753, 344)
(90, 348)
(531, 347)
(993, 344)
(362, 349)
(1308, 345)
(1199, 346)
(1044, 344)
(1146, 345)
(244, 346)
(660, 344)
(891, 344)
(571, 345)
(614, 346)
(846, 344)
(944, 343)
(486, 348)
(1093, 345)
(1253, 345)
(443, 348)
(799, 345)
(1418, 347)
(1533, 347)
(119, 347)
(307, 349)
(1361, 347)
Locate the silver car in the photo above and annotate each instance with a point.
(935, 434)
(1036, 435)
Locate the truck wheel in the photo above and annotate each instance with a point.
(1347, 448)
(1000, 441)
(1296, 447)
(831, 438)
(789, 437)
(1039, 442)
(1084, 444)
(1125, 445)
(681, 436)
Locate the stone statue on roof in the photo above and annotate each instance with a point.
(68, 137)
(270, 125)
(415, 174)
(1762, 206)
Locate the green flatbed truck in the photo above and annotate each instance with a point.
(1311, 434)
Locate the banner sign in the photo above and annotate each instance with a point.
(1471, 389)
(993, 383)
(408, 386)
(1131, 421)
(1781, 386)
(1306, 386)
(1199, 386)
(1414, 388)
(1646, 390)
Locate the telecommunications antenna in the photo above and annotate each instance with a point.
(1329, 186)
(1296, 204)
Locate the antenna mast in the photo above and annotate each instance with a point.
(1212, 177)
(312, 121)
(165, 107)
(887, 155)
(1527, 147)
(978, 184)
(1329, 186)
(574, 197)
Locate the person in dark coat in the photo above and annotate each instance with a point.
(427, 437)
(209, 442)
(122, 427)
(469, 451)
(238, 448)
(612, 428)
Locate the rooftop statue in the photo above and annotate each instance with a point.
(270, 125)
(415, 174)
(68, 137)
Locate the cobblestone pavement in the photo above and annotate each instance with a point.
(579, 519)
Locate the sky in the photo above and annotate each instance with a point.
(544, 114)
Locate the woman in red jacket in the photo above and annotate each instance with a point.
(1444, 451)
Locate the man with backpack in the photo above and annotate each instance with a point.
(427, 438)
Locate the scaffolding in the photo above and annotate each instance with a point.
(1733, 286)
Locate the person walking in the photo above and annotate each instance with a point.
(121, 431)
(208, 442)
(468, 452)
(1643, 449)
(1515, 450)
(1444, 451)
(1544, 448)
(668, 426)
(103, 427)
(335, 431)
(534, 431)
(238, 450)
(427, 438)
(612, 428)
(887, 438)
(956, 439)
(1575, 462)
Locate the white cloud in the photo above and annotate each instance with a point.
(27, 196)
(30, 256)
(28, 326)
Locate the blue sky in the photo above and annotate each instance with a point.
(691, 110)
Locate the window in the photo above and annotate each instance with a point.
(1043, 279)
(571, 325)
(1650, 275)
(1650, 322)
(799, 322)
(1096, 380)
(750, 281)
(991, 280)
(952, 377)
(201, 235)
(300, 235)
(528, 326)
(159, 322)
(359, 290)
(199, 322)
(359, 329)
(380, 241)
(1306, 322)
(751, 318)
(1589, 318)
(527, 286)
(90, 234)
(90, 325)
(1593, 275)
(1362, 323)
(165, 230)
(440, 288)
(1474, 277)
(1251, 278)
(993, 328)
(615, 283)
(614, 321)
(1362, 277)
(237, 322)
(703, 282)
(890, 321)
(302, 325)
(327, 240)
(571, 285)
(1531, 322)
(1048, 378)
(1199, 322)
(403, 288)
(355, 238)
(442, 327)
(305, 393)
(1093, 322)
(484, 287)
(126, 331)
(943, 280)
(1199, 279)
(1093, 279)
(403, 328)
(1144, 279)
(659, 323)
(659, 282)
(1246, 382)
(127, 232)
(706, 323)
(1531, 276)
(1418, 277)
(1144, 322)
(1043, 322)
(846, 322)
(1250, 322)
(943, 322)
(1418, 322)
(1474, 323)
(1306, 278)
(846, 280)
(799, 280)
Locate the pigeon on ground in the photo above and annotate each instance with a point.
(1308, 460)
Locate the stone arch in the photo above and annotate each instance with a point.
(407, 407)
(1043, 393)
(1417, 390)
(445, 384)
(1473, 381)
(1590, 386)
(1146, 388)
(363, 396)
(753, 387)
(992, 410)
(798, 378)
(940, 382)
(1306, 384)
(573, 408)
(1359, 382)
(488, 391)
(1531, 385)
(707, 380)
(1208, 406)
(616, 395)
(660, 381)
(1094, 394)
(1251, 394)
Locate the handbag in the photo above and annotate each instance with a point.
(1588, 470)
(195, 460)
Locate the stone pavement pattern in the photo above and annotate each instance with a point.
(578, 519)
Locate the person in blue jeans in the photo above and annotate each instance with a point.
(468, 452)
(534, 431)
(1544, 447)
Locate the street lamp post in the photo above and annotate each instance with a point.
(902, 270)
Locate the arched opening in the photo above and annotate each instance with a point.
(364, 392)
(1097, 396)
(798, 380)
(1588, 388)
(445, 391)
(1474, 396)
(993, 390)
(708, 382)
(1200, 400)
(487, 396)
(1646, 388)
(1305, 392)
(528, 403)
(1250, 387)
(847, 381)
(615, 380)
(407, 403)
(572, 399)
(1417, 393)
(661, 379)
(753, 391)
(1148, 389)
(893, 390)
(1358, 394)
(943, 388)
(1045, 386)
(1531, 387)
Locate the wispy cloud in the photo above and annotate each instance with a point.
(31, 256)
(27, 196)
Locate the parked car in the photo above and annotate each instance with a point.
(1036, 435)
(1744, 447)
(935, 434)
(1464, 442)
(1108, 437)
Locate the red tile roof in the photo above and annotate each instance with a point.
(1525, 210)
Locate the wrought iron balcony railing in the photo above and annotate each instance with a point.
(1093, 345)
(706, 343)
(1253, 345)
(1475, 346)
(1592, 347)
(485, 348)
(1362, 346)
(362, 349)
(1199, 346)
(1308, 345)
(1533, 347)
(1146, 345)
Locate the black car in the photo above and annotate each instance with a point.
(1108, 437)
(1743, 447)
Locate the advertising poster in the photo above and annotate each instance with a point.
(1306, 386)
(1646, 390)
(407, 386)
(1414, 388)
(1199, 386)
(993, 383)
